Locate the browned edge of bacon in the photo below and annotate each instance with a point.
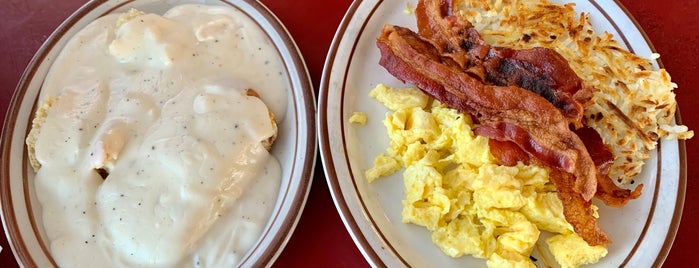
(578, 211)
(607, 191)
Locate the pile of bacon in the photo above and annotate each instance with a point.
(528, 102)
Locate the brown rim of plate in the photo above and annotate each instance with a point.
(330, 174)
(270, 252)
(682, 182)
(278, 240)
(10, 223)
(351, 224)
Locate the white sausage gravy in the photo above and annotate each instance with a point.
(150, 151)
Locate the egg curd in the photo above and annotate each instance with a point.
(453, 187)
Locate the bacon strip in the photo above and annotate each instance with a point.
(614, 196)
(607, 191)
(578, 211)
(508, 153)
(452, 36)
(515, 114)
(541, 70)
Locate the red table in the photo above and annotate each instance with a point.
(320, 239)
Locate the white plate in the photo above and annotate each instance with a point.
(295, 147)
(642, 231)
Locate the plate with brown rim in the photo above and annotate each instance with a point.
(642, 231)
(295, 147)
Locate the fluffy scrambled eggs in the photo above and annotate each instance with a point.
(453, 187)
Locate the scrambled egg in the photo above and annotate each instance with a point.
(453, 187)
(566, 248)
(358, 118)
(409, 9)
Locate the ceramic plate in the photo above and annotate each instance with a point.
(642, 231)
(295, 147)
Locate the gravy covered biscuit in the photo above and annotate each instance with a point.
(151, 134)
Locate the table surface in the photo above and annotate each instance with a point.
(320, 239)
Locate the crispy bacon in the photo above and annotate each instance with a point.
(453, 37)
(541, 70)
(578, 211)
(607, 191)
(508, 153)
(508, 112)
(614, 196)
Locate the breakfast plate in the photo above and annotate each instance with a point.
(294, 148)
(642, 231)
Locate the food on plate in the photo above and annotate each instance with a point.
(455, 187)
(633, 105)
(408, 8)
(538, 69)
(545, 90)
(150, 135)
(570, 250)
(358, 118)
(511, 113)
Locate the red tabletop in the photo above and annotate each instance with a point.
(320, 239)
